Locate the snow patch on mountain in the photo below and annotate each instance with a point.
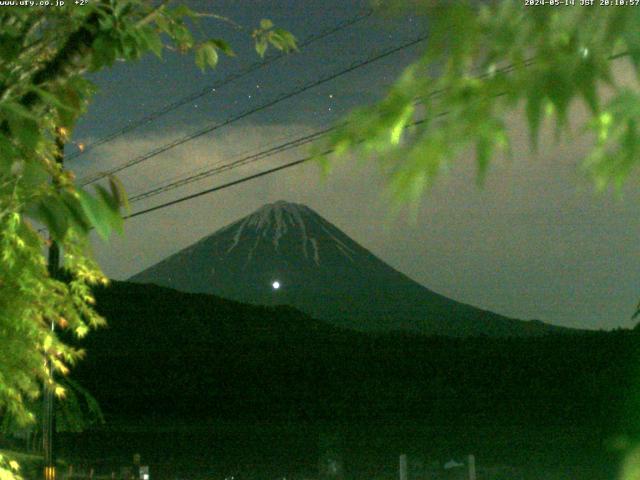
(280, 228)
(236, 237)
(316, 254)
(275, 220)
(323, 272)
(253, 249)
(346, 250)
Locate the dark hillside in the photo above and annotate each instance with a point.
(200, 356)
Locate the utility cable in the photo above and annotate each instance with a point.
(246, 113)
(177, 177)
(271, 58)
(217, 169)
(243, 179)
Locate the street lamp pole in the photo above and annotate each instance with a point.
(48, 417)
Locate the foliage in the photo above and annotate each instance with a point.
(43, 56)
(79, 411)
(9, 469)
(22, 465)
(486, 59)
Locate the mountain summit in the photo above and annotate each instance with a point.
(285, 253)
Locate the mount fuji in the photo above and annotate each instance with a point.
(286, 253)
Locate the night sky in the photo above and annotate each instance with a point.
(534, 242)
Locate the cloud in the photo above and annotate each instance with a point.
(535, 242)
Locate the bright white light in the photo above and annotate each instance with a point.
(275, 285)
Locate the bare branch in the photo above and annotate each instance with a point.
(222, 18)
(152, 14)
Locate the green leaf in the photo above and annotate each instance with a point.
(18, 110)
(77, 215)
(7, 155)
(131, 47)
(151, 40)
(406, 111)
(560, 89)
(288, 40)
(105, 51)
(211, 55)
(106, 22)
(74, 93)
(27, 132)
(163, 23)
(51, 98)
(122, 9)
(33, 175)
(23, 124)
(206, 55)
(266, 24)
(113, 208)
(201, 61)
(182, 37)
(9, 47)
(261, 46)
(53, 214)
(282, 40)
(109, 200)
(223, 46)
(98, 213)
(276, 40)
(590, 94)
(118, 192)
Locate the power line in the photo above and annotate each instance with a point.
(285, 146)
(244, 179)
(281, 98)
(298, 142)
(221, 187)
(209, 166)
(506, 69)
(290, 144)
(308, 138)
(269, 152)
(221, 83)
(294, 163)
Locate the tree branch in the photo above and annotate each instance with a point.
(222, 18)
(70, 56)
(152, 14)
(75, 49)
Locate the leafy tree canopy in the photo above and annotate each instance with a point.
(44, 53)
(484, 60)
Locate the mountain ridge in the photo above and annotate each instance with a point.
(286, 253)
